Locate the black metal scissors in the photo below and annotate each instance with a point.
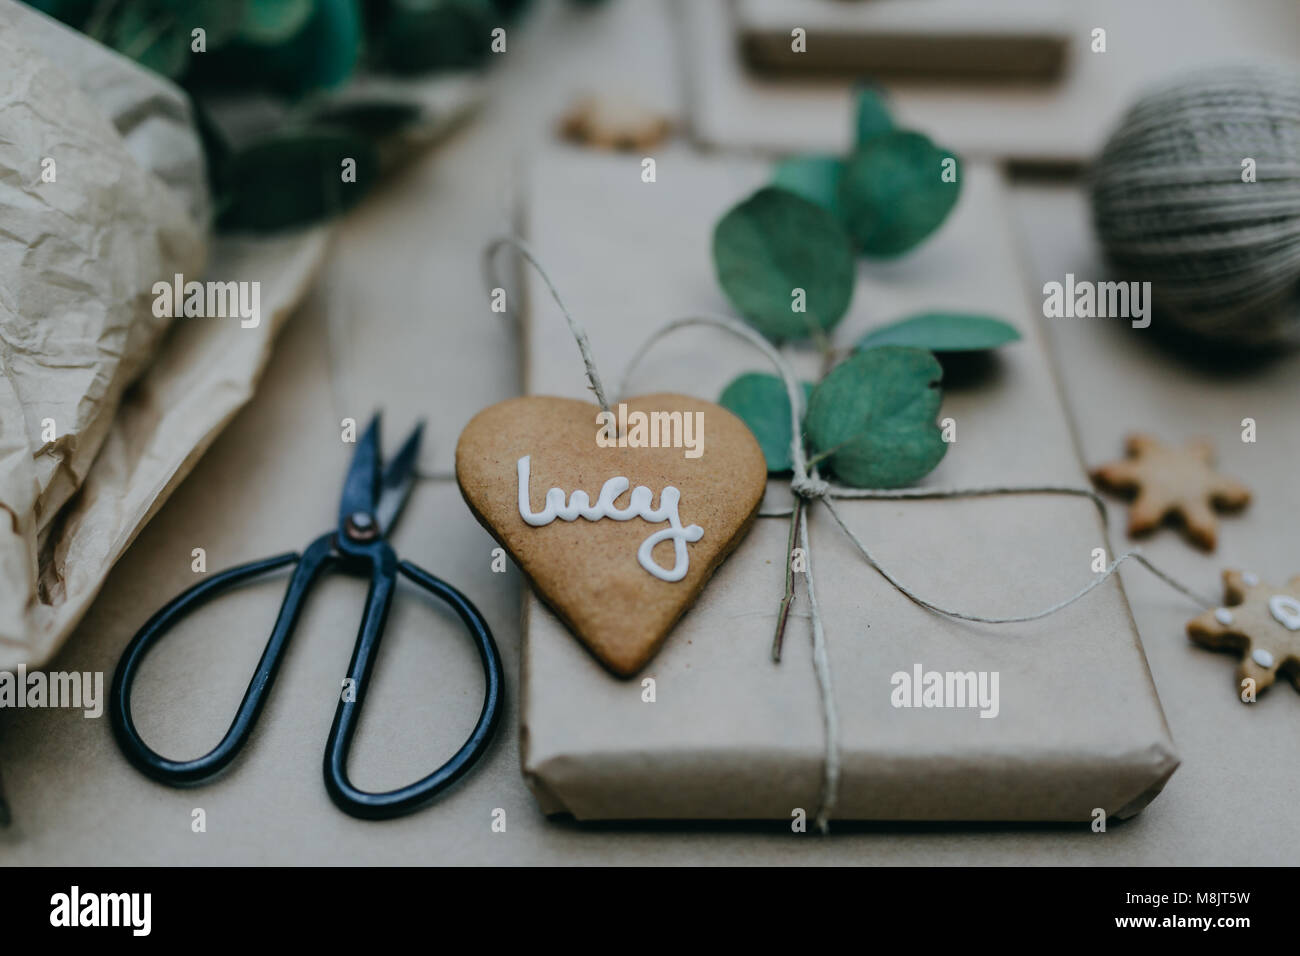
(372, 499)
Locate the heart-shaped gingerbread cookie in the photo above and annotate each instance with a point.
(617, 521)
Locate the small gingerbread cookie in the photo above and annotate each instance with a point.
(614, 123)
(1177, 482)
(1258, 620)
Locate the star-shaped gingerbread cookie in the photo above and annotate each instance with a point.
(1260, 621)
(1178, 482)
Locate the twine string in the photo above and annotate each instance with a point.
(811, 487)
(579, 333)
(826, 694)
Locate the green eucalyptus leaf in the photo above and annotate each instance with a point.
(75, 13)
(375, 119)
(942, 332)
(152, 37)
(220, 19)
(893, 195)
(320, 55)
(423, 35)
(870, 116)
(872, 419)
(774, 243)
(293, 178)
(510, 9)
(761, 402)
(815, 178)
(272, 22)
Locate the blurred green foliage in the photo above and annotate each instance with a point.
(290, 46)
(289, 174)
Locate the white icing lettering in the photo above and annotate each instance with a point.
(640, 505)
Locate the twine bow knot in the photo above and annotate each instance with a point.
(810, 487)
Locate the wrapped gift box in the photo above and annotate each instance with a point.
(731, 735)
(734, 106)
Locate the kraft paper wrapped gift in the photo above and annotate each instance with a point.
(1064, 121)
(728, 734)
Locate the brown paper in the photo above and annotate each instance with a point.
(79, 257)
(151, 115)
(729, 734)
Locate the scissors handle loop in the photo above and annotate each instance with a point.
(392, 803)
(185, 772)
(319, 556)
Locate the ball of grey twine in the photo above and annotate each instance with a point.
(1172, 204)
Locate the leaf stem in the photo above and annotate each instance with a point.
(829, 357)
(821, 456)
(784, 614)
(823, 343)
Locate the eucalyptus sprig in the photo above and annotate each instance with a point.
(276, 164)
(786, 258)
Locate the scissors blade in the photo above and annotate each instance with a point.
(361, 487)
(399, 478)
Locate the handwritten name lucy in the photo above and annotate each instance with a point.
(640, 505)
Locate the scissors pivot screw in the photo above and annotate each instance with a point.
(361, 526)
